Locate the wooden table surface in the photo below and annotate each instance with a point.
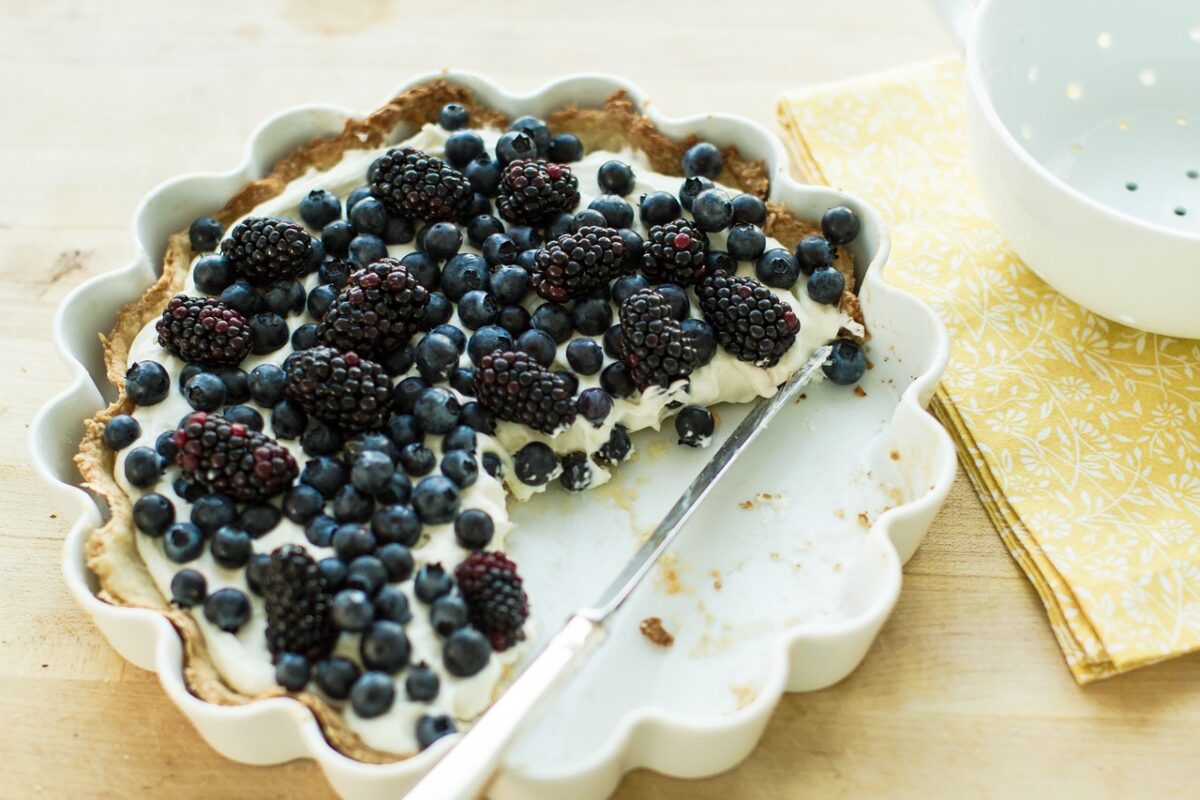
(964, 693)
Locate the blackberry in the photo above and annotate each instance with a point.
(577, 263)
(654, 345)
(516, 388)
(378, 309)
(495, 597)
(204, 330)
(264, 249)
(415, 185)
(674, 252)
(230, 459)
(341, 388)
(751, 322)
(534, 191)
(299, 608)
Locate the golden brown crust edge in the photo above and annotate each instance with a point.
(112, 550)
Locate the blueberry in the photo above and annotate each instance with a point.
(515, 145)
(188, 588)
(554, 319)
(462, 146)
(287, 420)
(397, 230)
(266, 384)
(237, 384)
(403, 429)
(164, 445)
(397, 560)
(538, 131)
(371, 441)
(846, 363)
(269, 332)
(616, 380)
(840, 225)
(617, 448)
(437, 356)
(460, 467)
(478, 206)
(361, 193)
(712, 210)
(183, 542)
(352, 610)
(565, 148)
(677, 299)
(826, 285)
(336, 273)
(325, 474)
(462, 380)
(185, 490)
(778, 268)
(527, 259)
(481, 227)
(484, 174)
(256, 571)
(435, 499)
(525, 237)
(399, 361)
(461, 438)
(371, 471)
(292, 671)
(333, 570)
(595, 405)
(448, 613)
(704, 339)
(284, 297)
(212, 274)
(453, 116)
(499, 248)
(474, 529)
(306, 337)
(121, 431)
(147, 383)
(384, 647)
(153, 514)
(431, 727)
(703, 158)
(320, 529)
(658, 208)
(316, 257)
(231, 547)
(570, 381)
(421, 685)
(437, 410)
(367, 248)
(585, 356)
(478, 417)
(335, 676)
(302, 502)
(614, 342)
(539, 344)
(558, 225)
(487, 339)
(626, 285)
(372, 694)
(319, 208)
(432, 582)
(615, 177)
(749, 209)
(592, 316)
(188, 372)
(258, 519)
(351, 541)
(513, 319)
(143, 466)
(437, 310)
(617, 213)
(691, 188)
(319, 439)
(212, 511)
(813, 253)
(205, 392)
(633, 245)
(392, 604)
(535, 464)
(441, 240)
(369, 216)
(720, 260)
(492, 465)
(588, 217)
(463, 273)
(404, 396)
(694, 424)
(466, 652)
(396, 489)
(366, 573)
(228, 609)
(576, 473)
(477, 308)
(336, 236)
(417, 459)
(242, 297)
(746, 242)
(351, 504)
(204, 234)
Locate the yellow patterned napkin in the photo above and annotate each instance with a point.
(1081, 436)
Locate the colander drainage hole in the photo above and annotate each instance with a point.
(1131, 186)
(1180, 211)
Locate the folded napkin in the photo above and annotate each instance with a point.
(1081, 436)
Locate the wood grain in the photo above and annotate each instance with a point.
(964, 694)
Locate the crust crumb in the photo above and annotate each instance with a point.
(859, 391)
(717, 582)
(863, 519)
(746, 505)
(652, 628)
(894, 455)
(803, 396)
(840, 513)
(774, 556)
(745, 695)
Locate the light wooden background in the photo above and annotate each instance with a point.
(963, 695)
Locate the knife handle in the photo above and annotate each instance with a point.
(466, 770)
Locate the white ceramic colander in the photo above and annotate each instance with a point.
(1084, 127)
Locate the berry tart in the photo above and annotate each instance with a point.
(344, 374)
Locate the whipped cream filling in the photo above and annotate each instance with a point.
(242, 658)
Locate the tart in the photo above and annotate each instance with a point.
(343, 376)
